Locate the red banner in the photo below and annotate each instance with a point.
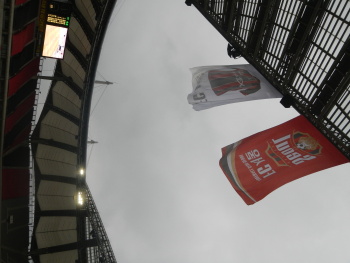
(259, 164)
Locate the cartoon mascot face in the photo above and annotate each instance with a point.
(306, 143)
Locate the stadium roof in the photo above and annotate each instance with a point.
(66, 226)
(302, 47)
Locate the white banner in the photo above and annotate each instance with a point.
(219, 85)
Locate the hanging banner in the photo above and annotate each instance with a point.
(219, 85)
(259, 164)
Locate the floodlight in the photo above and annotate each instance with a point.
(80, 199)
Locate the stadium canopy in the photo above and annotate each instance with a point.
(62, 223)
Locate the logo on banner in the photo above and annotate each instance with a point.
(294, 149)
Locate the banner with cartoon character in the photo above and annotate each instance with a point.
(219, 85)
(261, 163)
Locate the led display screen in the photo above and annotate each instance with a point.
(58, 20)
(54, 41)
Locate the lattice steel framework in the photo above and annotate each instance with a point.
(302, 47)
(103, 252)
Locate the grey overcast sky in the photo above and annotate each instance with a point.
(154, 173)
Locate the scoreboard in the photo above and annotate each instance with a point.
(58, 20)
(56, 29)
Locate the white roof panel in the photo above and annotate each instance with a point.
(56, 127)
(78, 37)
(69, 256)
(66, 99)
(87, 10)
(48, 203)
(56, 161)
(56, 230)
(72, 68)
(56, 188)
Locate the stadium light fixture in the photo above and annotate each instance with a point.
(80, 199)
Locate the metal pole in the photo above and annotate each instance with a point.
(103, 82)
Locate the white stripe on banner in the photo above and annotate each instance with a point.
(236, 180)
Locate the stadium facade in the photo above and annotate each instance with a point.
(47, 211)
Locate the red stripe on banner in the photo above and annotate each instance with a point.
(221, 74)
(29, 71)
(19, 112)
(15, 183)
(234, 86)
(224, 74)
(213, 74)
(21, 39)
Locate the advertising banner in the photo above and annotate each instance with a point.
(259, 164)
(220, 85)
